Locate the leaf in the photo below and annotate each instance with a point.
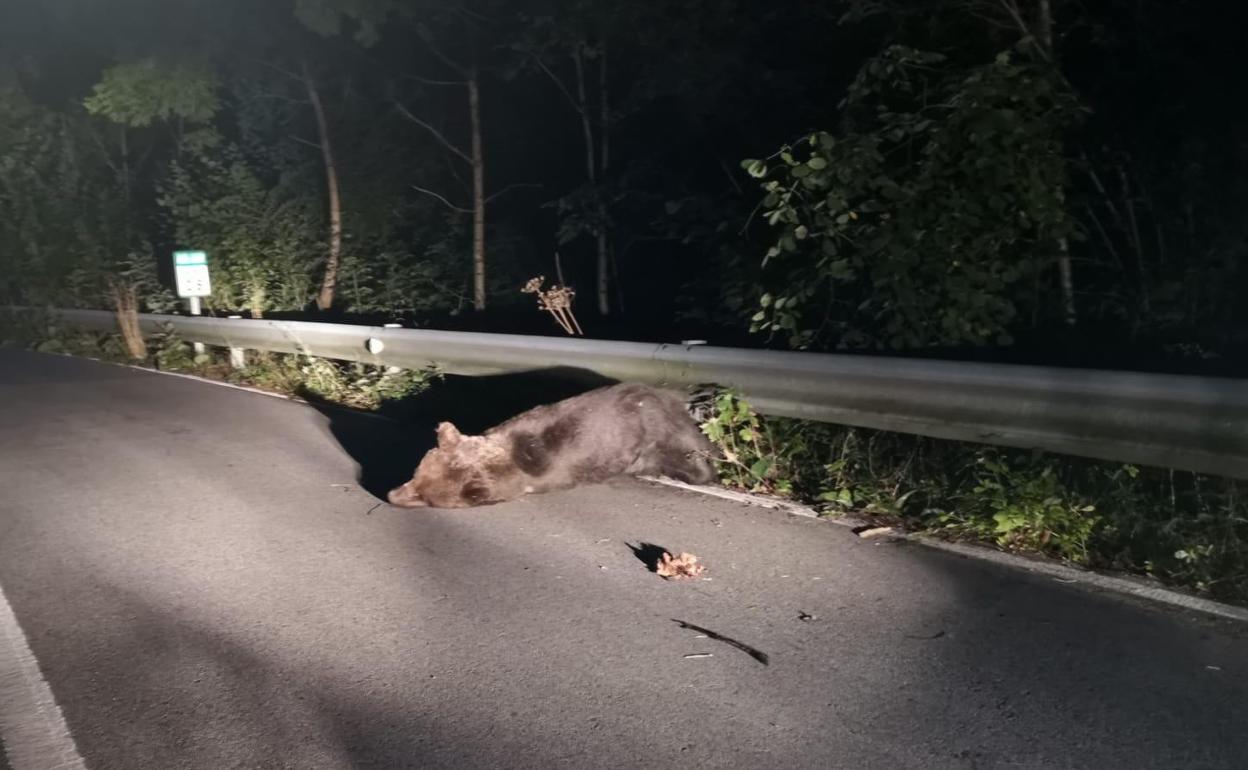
(839, 269)
(760, 467)
(674, 568)
(755, 168)
(817, 163)
(1008, 521)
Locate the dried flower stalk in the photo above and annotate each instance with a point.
(557, 300)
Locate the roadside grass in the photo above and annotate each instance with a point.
(362, 386)
(1187, 530)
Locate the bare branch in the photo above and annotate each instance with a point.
(1108, 200)
(301, 140)
(1011, 8)
(511, 187)
(147, 153)
(563, 89)
(432, 82)
(469, 13)
(436, 134)
(449, 205)
(279, 70)
(281, 98)
(452, 168)
(750, 218)
(731, 177)
(1109, 243)
(1128, 203)
(105, 153)
(993, 20)
(455, 66)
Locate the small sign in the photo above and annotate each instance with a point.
(190, 270)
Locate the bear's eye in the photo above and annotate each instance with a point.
(475, 492)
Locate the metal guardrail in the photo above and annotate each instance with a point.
(1186, 423)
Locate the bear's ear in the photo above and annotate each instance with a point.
(448, 435)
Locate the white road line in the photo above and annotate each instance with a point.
(33, 733)
(246, 388)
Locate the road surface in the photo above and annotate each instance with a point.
(205, 583)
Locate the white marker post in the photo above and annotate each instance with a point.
(238, 356)
(190, 271)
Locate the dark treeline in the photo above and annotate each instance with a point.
(969, 175)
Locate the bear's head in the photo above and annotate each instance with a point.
(461, 472)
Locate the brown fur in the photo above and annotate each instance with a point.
(625, 429)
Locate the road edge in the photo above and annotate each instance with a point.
(1066, 573)
(33, 731)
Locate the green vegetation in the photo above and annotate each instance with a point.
(1185, 529)
(363, 386)
(932, 160)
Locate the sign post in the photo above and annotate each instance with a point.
(190, 271)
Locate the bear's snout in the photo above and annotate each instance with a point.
(405, 497)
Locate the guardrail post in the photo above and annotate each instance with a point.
(195, 310)
(238, 356)
(390, 369)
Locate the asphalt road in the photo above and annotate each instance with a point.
(206, 584)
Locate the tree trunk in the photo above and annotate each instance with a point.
(1068, 283)
(591, 167)
(1044, 32)
(126, 304)
(478, 194)
(325, 299)
(125, 172)
(1046, 26)
(604, 264)
(604, 105)
(591, 172)
(126, 191)
(605, 261)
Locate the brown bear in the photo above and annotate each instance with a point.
(624, 429)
